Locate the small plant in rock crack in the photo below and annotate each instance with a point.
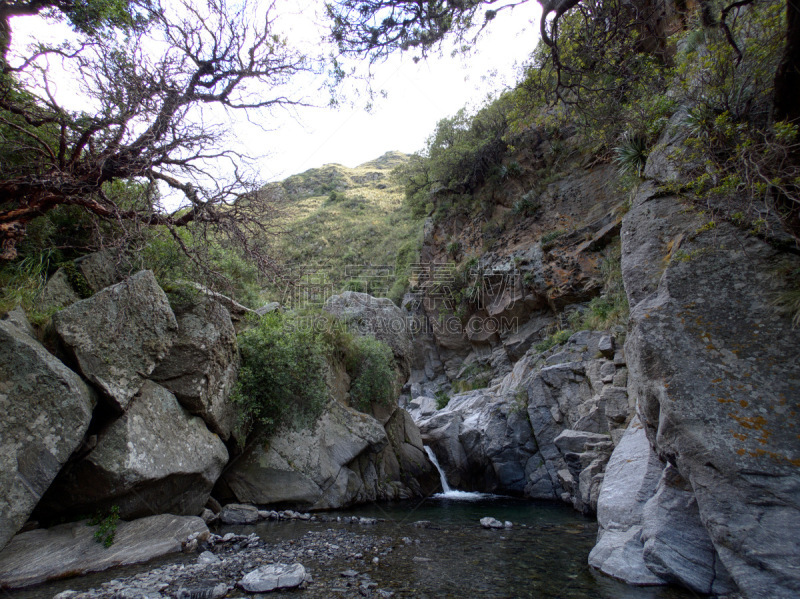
(631, 154)
(106, 526)
(442, 399)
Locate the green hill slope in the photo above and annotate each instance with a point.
(346, 228)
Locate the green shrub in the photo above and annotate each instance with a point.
(463, 152)
(76, 280)
(372, 374)
(454, 248)
(442, 399)
(21, 282)
(611, 308)
(356, 285)
(474, 376)
(548, 239)
(282, 379)
(527, 205)
(106, 526)
(555, 339)
(788, 301)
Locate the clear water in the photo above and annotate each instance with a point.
(543, 556)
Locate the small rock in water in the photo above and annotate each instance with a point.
(489, 522)
(216, 592)
(273, 576)
(508, 524)
(208, 558)
(208, 516)
(239, 513)
(349, 573)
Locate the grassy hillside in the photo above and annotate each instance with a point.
(347, 228)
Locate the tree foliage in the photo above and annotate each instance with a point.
(459, 155)
(152, 89)
(282, 380)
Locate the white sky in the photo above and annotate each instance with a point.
(418, 95)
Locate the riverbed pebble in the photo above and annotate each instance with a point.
(232, 560)
(489, 522)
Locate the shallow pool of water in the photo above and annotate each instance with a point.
(543, 555)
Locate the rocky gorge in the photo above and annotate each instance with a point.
(677, 430)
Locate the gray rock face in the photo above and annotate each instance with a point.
(676, 546)
(716, 372)
(348, 457)
(101, 269)
(237, 312)
(308, 467)
(119, 335)
(70, 549)
(201, 366)
(273, 576)
(401, 470)
(630, 480)
(239, 513)
(18, 319)
(545, 431)
(46, 409)
(156, 458)
(57, 293)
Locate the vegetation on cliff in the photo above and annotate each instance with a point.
(289, 361)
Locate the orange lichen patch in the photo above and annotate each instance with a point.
(756, 423)
(758, 453)
(743, 403)
(716, 381)
(741, 451)
(710, 346)
(724, 400)
(740, 436)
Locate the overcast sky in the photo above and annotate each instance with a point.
(418, 95)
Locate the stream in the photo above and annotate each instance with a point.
(423, 549)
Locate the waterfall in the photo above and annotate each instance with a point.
(445, 487)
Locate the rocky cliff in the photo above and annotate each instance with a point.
(679, 429)
(131, 417)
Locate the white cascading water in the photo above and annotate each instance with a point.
(449, 493)
(445, 487)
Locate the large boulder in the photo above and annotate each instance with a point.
(71, 549)
(631, 477)
(119, 335)
(676, 546)
(46, 409)
(715, 368)
(401, 470)
(201, 366)
(156, 458)
(346, 458)
(483, 442)
(57, 293)
(306, 468)
(102, 269)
